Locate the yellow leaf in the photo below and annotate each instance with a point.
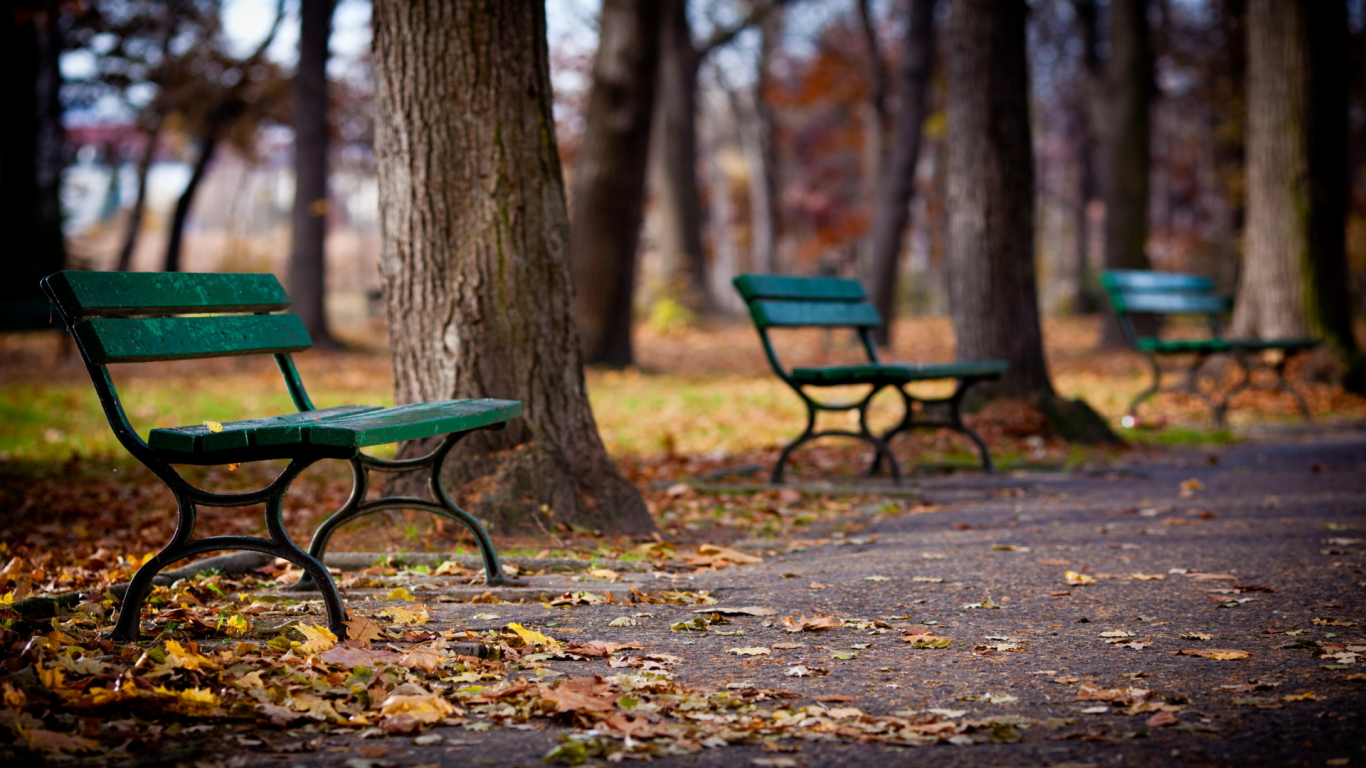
(1077, 579)
(532, 637)
(233, 466)
(416, 615)
(50, 678)
(319, 639)
(214, 426)
(190, 695)
(752, 651)
(400, 593)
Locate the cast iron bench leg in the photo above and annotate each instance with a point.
(865, 434)
(1282, 383)
(184, 545)
(955, 405)
(356, 506)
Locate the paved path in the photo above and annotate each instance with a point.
(1258, 546)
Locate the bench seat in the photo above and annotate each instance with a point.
(895, 373)
(1177, 346)
(341, 430)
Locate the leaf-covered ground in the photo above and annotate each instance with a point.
(1155, 605)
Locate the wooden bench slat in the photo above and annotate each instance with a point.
(286, 429)
(753, 287)
(104, 294)
(145, 339)
(1171, 303)
(794, 314)
(1116, 280)
(411, 422)
(894, 373)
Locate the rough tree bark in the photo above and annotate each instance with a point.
(308, 261)
(758, 135)
(992, 289)
(897, 190)
(1294, 279)
(475, 260)
(993, 294)
(1273, 284)
(1125, 137)
(609, 191)
(31, 159)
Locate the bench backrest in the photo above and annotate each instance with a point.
(1162, 293)
(130, 317)
(793, 302)
(783, 301)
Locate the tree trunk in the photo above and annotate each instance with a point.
(475, 260)
(208, 147)
(609, 192)
(308, 262)
(1328, 300)
(993, 297)
(139, 209)
(31, 157)
(680, 206)
(1274, 281)
(1088, 183)
(897, 190)
(758, 137)
(1125, 138)
(876, 119)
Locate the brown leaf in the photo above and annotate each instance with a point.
(349, 656)
(1163, 719)
(51, 741)
(578, 694)
(1122, 695)
(813, 623)
(360, 631)
(1220, 654)
(838, 698)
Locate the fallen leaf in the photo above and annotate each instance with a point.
(360, 631)
(1196, 636)
(401, 615)
(623, 621)
(802, 670)
(743, 610)
(400, 593)
(1221, 654)
(813, 623)
(1120, 695)
(319, 639)
(1077, 579)
(1162, 719)
(214, 426)
(532, 637)
(752, 651)
(833, 698)
(42, 740)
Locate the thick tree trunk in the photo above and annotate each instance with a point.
(208, 147)
(308, 262)
(475, 260)
(680, 206)
(1328, 300)
(897, 190)
(1125, 138)
(992, 291)
(31, 155)
(609, 192)
(139, 209)
(1274, 281)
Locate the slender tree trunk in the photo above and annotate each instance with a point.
(993, 296)
(718, 130)
(208, 147)
(139, 209)
(1274, 281)
(31, 157)
(308, 262)
(1125, 139)
(680, 206)
(876, 119)
(475, 260)
(1328, 300)
(1088, 182)
(609, 192)
(758, 136)
(893, 213)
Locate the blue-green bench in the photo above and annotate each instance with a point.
(780, 301)
(1137, 293)
(120, 318)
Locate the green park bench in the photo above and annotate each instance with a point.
(143, 317)
(1137, 293)
(777, 301)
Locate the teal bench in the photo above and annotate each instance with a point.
(779, 301)
(144, 317)
(1137, 293)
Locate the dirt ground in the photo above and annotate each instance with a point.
(1224, 585)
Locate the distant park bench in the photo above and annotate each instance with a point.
(1135, 293)
(776, 301)
(144, 317)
